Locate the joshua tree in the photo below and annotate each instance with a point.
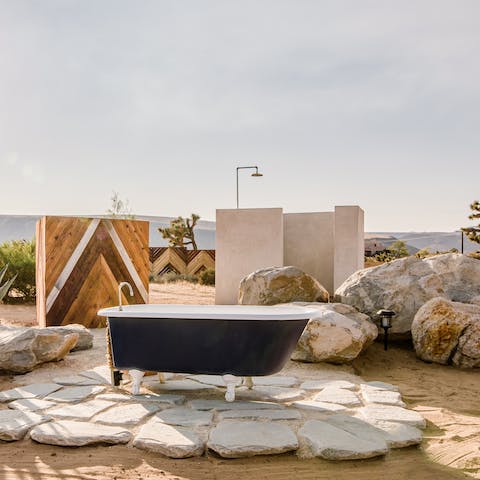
(180, 232)
(473, 233)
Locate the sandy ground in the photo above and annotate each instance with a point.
(447, 397)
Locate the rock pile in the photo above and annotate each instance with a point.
(406, 284)
(23, 348)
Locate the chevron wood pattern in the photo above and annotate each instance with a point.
(81, 261)
(180, 260)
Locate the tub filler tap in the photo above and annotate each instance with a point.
(120, 286)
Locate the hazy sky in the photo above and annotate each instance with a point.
(373, 103)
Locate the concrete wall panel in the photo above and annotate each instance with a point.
(246, 240)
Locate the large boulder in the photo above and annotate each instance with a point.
(23, 348)
(337, 334)
(270, 286)
(404, 285)
(448, 332)
(85, 336)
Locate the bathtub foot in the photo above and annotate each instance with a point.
(230, 382)
(248, 382)
(137, 376)
(161, 377)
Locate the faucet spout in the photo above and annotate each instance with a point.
(120, 286)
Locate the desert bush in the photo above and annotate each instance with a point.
(207, 277)
(172, 277)
(20, 256)
(6, 286)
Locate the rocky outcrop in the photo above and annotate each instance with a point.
(448, 332)
(406, 284)
(338, 334)
(270, 286)
(85, 337)
(23, 348)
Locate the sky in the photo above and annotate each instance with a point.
(341, 102)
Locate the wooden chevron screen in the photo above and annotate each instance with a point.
(180, 260)
(81, 261)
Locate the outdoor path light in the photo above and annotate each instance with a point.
(255, 174)
(386, 323)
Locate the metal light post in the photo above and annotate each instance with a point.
(255, 174)
(385, 323)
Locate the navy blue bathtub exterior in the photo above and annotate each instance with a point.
(208, 346)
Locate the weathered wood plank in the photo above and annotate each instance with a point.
(81, 261)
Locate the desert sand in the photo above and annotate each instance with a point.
(447, 397)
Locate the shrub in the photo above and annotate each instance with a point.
(20, 255)
(172, 277)
(6, 286)
(207, 277)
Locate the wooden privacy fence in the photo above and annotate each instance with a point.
(81, 261)
(180, 260)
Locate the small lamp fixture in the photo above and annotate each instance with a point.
(386, 323)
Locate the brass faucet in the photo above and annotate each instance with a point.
(120, 286)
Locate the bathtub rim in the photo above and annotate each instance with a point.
(214, 312)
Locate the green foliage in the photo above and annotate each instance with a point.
(6, 286)
(398, 249)
(207, 277)
(20, 255)
(473, 233)
(423, 253)
(180, 232)
(119, 208)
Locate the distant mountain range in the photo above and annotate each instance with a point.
(13, 227)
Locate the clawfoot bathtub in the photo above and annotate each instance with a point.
(229, 340)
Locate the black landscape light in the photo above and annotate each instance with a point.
(386, 323)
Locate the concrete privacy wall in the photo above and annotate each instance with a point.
(309, 242)
(327, 245)
(349, 243)
(246, 240)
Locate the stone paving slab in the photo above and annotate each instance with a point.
(101, 374)
(127, 414)
(213, 380)
(220, 405)
(387, 413)
(319, 406)
(399, 435)
(327, 441)
(173, 442)
(184, 417)
(35, 390)
(179, 385)
(287, 414)
(31, 404)
(275, 381)
(375, 395)
(381, 385)
(338, 396)
(74, 394)
(80, 411)
(76, 434)
(246, 439)
(266, 393)
(14, 424)
(77, 380)
(168, 398)
(321, 384)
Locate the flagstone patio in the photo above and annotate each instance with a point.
(332, 418)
